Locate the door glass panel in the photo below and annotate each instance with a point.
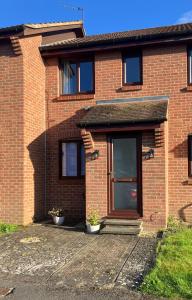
(124, 158)
(125, 195)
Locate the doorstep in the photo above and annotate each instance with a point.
(121, 226)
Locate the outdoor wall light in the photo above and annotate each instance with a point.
(95, 155)
(149, 154)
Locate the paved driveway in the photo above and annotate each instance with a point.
(66, 258)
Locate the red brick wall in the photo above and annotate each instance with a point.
(22, 123)
(96, 178)
(34, 130)
(164, 73)
(22, 117)
(11, 135)
(154, 179)
(62, 116)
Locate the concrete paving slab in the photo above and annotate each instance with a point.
(57, 259)
(43, 258)
(98, 264)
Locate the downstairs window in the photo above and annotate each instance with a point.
(72, 159)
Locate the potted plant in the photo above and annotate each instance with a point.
(93, 225)
(57, 215)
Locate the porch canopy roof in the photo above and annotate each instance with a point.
(132, 113)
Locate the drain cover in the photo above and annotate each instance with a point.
(5, 291)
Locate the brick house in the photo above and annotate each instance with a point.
(95, 122)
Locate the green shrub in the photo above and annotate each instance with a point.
(8, 228)
(94, 218)
(175, 224)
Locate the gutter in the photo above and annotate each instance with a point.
(119, 42)
(120, 123)
(103, 47)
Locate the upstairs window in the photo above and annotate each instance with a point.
(72, 159)
(77, 77)
(190, 65)
(132, 67)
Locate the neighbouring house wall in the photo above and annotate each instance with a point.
(164, 73)
(22, 129)
(34, 130)
(11, 135)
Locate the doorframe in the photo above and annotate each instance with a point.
(123, 213)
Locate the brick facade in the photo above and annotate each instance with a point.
(34, 118)
(164, 191)
(22, 119)
(11, 135)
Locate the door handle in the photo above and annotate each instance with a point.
(133, 179)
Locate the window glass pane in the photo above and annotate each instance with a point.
(82, 160)
(132, 69)
(125, 195)
(86, 76)
(69, 159)
(69, 78)
(124, 157)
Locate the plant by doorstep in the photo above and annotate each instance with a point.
(57, 215)
(93, 225)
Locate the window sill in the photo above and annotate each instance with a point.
(130, 88)
(189, 181)
(75, 97)
(189, 88)
(71, 181)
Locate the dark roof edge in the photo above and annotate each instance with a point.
(134, 122)
(12, 29)
(16, 29)
(161, 37)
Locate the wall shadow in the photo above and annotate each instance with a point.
(180, 151)
(56, 192)
(183, 214)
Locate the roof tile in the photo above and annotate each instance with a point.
(130, 113)
(123, 36)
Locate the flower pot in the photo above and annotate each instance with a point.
(58, 220)
(93, 228)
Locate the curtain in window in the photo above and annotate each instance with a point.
(69, 78)
(69, 159)
(82, 160)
